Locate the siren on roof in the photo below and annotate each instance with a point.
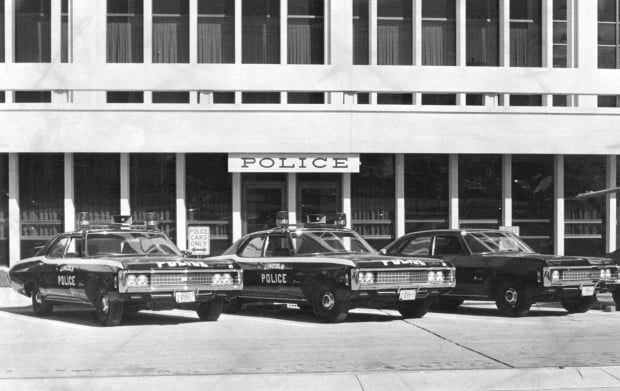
(150, 221)
(83, 219)
(122, 219)
(282, 218)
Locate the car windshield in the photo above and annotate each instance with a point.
(129, 244)
(314, 242)
(495, 242)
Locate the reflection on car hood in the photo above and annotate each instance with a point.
(174, 262)
(383, 261)
(554, 260)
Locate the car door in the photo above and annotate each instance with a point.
(250, 258)
(452, 248)
(280, 270)
(52, 278)
(77, 270)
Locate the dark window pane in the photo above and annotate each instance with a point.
(482, 34)
(607, 10)
(4, 209)
(480, 190)
(606, 57)
(525, 33)
(2, 96)
(64, 31)
(305, 32)
(306, 97)
(41, 199)
(318, 194)
(363, 98)
(439, 99)
(525, 100)
(606, 34)
(97, 186)
(394, 99)
(170, 96)
(608, 101)
(559, 32)
(560, 100)
(559, 10)
(260, 97)
(170, 31)
(261, 31)
(33, 96)
(439, 9)
(394, 35)
(32, 31)
(125, 97)
(224, 97)
(216, 31)
(153, 189)
(560, 59)
(474, 100)
(124, 31)
(360, 32)
(426, 192)
(1, 31)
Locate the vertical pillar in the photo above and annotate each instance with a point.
(611, 226)
(283, 32)
(69, 193)
(327, 28)
(340, 34)
(547, 43)
(14, 210)
(291, 198)
(506, 190)
(461, 43)
(453, 190)
(193, 31)
(504, 42)
(9, 31)
(346, 198)
(238, 30)
(558, 205)
(148, 31)
(125, 189)
(570, 43)
(399, 176)
(416, 19)
(372, 31)
(181, 207)
(55, 16)
(586, 44)
(237, 223)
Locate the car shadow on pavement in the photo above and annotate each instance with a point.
(299, 315)
(488, 309)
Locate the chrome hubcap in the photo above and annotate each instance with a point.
(511, 296)
(328, 300)
(38, 298)
(105, 305)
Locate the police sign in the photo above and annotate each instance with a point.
(199, 240)
(293, 163)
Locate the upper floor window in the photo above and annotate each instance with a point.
(482, 32)
(560, 34)
(125, 31)
(525, 33)
(305, 32)
(1, 31)
(64, 31)
(170, 31)
(608, 42)
(216, 31)
(394, 35)
(438, 32)
(32, 31)
(260, 31)
(361, 51)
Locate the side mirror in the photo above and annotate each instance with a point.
(383, 251)
(186, 253)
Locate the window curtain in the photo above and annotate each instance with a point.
(32, 38)
(482, 43)
(261, 40)
(122, 45)
(64, 50)
(2, 33)
(518, 45)
(360, 42)
(305, 41)
(170, 40)
(438, 43)
(394, 42)
(216, 40)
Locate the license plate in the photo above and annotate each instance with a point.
(185, 297)
(587, 291)
(408, 294)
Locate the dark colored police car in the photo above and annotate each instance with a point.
(330, 269)
(123, 268)
(497, 265)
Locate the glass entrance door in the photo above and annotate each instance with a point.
(262, 198)
(318, 194)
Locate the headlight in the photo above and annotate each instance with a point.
(431, 276)
(366, 278)
(130, 280)
(439, 276)
(555, 276)
(226, 278)
(222, 279)
(607, 274)
(142, 280)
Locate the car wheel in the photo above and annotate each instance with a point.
(512, 299)
(210, 310)
(232, 306)
(414, 309)
(448, 304)
(616, 296)
(578, 305)
(330, 304)
(109, 313)
(40, 306)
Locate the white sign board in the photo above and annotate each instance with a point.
(285, 162)
(199, 240)
(510, 228)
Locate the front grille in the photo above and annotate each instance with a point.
(173, 279)
(406, 277)
(584, 274)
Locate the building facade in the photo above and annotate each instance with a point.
(405, 114)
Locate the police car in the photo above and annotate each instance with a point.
(121, 268)
(330, 269)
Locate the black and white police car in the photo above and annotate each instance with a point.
(330, 269)
(121, 267)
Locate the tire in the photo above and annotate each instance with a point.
(578, 305)
(210, 310)
(512, 299)
(414, 309)
(109, 313)
(330, 304)
(448, 304)
(616, 296)
(40, 306)
(233, 306)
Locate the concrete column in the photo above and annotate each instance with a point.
(148, 31)
(15, 231)
(283, 32)
(237, 222)
(570, 33)
(586, 55)
(339, 38)
(611, 225)
(125, 189)
(55, 31)
(506, 190)
(181, 207)
(193, 31)
(399, 176)
(291, 198)
(69, 193)
(547, 33)
(238, 29)
(327, 28)
(558, 195)
(504, 33)
(346, 198)
(9, 31)
(416, 19)
(372, 31)
(453, 190)
(461, 43)
(336, 98)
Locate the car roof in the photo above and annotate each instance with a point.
(308, 227)
(455, 230)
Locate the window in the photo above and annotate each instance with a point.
(305, 32)
(608, 41)
(525, 100)
(426, 192)
(33, 96)
(64, 31)
(260, 97)
(419, 246)
(394, 35)
(362, 98)
(438, 32)
(97, 186)
(394, 99)
(57, 250)
(439, 99)
(482, 32)
(4, 209)
(560, 34)
(170, 96)
(306, 97)
(216, 31)
(448, 245)
(253, 248)
(560, 100)
(480, 191)
(261, 31)
(224, 97)
(278, 246)
(474, 100)
(75, 248)
(361, 43)
(608, 101)
(525, 33)
(1, 31)
(170, 31)
(124, 31)
(32, 31)
(124, 97)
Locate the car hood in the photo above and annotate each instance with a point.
(382, 261)
(554, 260)
(173, 262)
